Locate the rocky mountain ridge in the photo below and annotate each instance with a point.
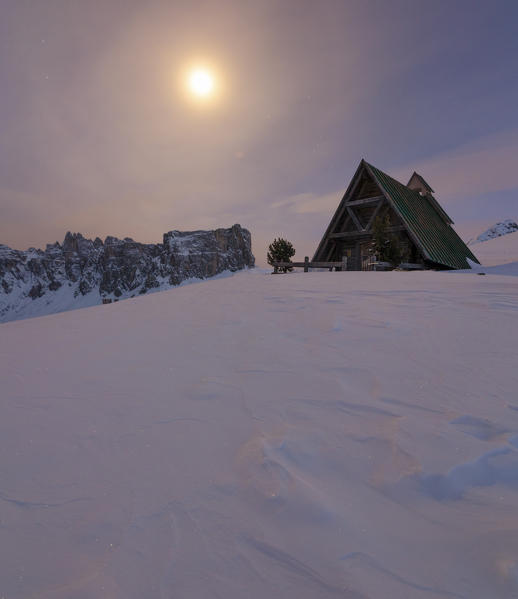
(80, 268)
(502, 228)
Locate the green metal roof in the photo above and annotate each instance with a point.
(437, 239)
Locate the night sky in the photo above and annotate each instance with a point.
(98, 134)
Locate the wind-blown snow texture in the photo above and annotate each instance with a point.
(81, 272)
(296, 436)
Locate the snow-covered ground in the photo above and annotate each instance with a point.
(294, 436)
(499, 251)
(18, 305)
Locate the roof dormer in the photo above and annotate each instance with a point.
(419, 184)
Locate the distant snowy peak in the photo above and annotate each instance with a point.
(502, 228)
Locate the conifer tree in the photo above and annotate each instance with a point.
(280, 250)
(385, 245)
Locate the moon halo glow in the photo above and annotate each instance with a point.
(201, 83)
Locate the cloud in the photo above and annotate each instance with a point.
(107, 144)
(484, 166)
(38, 215)
(301, 218)
(309, 203)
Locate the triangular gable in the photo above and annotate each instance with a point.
(340, 211)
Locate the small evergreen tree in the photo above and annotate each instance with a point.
(385, 245)
(394, 254)
(379, 237)
(280, 250)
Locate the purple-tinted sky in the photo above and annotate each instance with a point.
(97, 137)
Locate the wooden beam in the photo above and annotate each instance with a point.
(375, 214)
(353, 234)
(346, 222)
(341, 208)
(349, 235)
(365, 201)
(332, 246)
(308, 264)
(354, 217)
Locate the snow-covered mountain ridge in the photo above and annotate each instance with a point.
(81, 272)
(502, 228)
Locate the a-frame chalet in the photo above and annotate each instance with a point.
(422, 227)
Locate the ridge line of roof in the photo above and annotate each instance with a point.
(388, 176)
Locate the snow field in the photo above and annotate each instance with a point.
(500, 253)
(302, 435)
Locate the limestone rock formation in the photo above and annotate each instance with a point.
(502, 228)
(80, 268)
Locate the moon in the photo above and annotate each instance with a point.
(201, 83)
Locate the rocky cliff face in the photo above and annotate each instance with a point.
(82, 272)
(503, 228)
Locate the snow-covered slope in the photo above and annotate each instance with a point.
(502, 228)
(500, 254)
(298, 436)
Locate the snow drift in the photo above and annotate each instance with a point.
(500, 253)
(297, 436)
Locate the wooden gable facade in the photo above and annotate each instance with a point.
(416, 219)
